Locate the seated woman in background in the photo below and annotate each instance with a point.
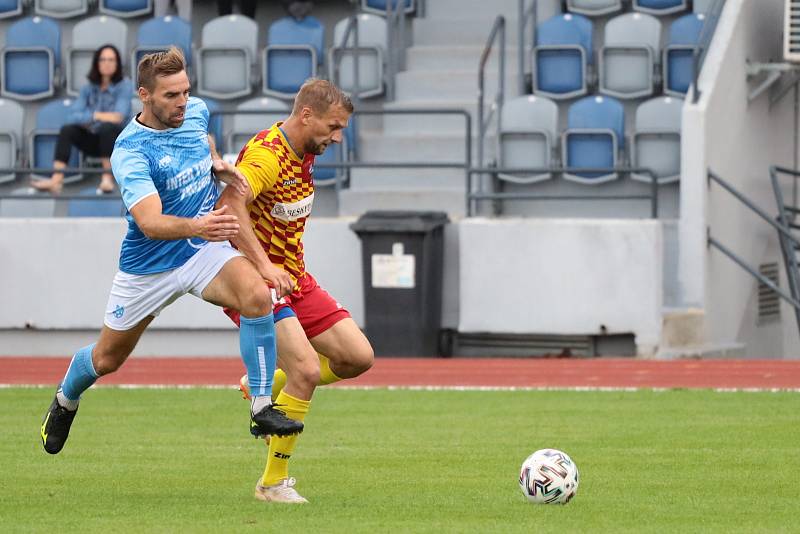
(97, 117)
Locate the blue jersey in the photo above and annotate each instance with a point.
(174, 164)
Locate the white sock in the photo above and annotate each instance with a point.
(70, 405)
(259, 403)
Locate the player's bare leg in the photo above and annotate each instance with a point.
(347, 348)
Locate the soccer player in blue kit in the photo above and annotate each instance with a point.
(177, 243)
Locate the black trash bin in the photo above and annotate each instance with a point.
(402, 257)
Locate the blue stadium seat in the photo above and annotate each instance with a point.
(333, 154)
(678, 62)
(30, 58)
(126, 8)
(42, 141)
(215, 122)
(10, 135)
(379, 6)
(10, 8)
(293, 53)
(660, 7)
(594, 138)
(61, 9)
(159, 34)
(561, 55)
(95, 205)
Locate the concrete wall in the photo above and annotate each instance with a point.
(561, 276)
(738, 140)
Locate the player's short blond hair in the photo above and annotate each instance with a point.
(164, 63)
(319, 95)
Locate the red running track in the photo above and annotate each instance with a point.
(483, 372)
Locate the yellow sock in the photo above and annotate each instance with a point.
(281, 448)
(326, 376)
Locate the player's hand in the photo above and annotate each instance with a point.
(278, 279)
(230, 175)
(217, 225)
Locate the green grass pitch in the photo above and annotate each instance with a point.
(180, 460)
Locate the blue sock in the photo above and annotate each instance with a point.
(257, 344)
(80, 375)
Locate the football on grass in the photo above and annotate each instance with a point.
(548, 476)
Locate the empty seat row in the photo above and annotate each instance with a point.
(594, 138)
(64, 9)
(563, 57)
(599, 8)
(30, 62)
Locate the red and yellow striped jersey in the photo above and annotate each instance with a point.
(283, 191)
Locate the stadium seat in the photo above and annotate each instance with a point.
(379, 6)
(28, 204)
(126, 8)
(528, 134)
(594, 8)
(372, 34)
(214, 121)
(225, 57)
(678, 62)
(324, 177)
(95, 205)
(87, 36)
(561, 55)
(703, 6)
(10, 136)
(10, 8)
(159, 34)
(292, 55)
(630, 50)
(61, 9)
(42, 140)
(656, 140)
(660, 7)
(245, 126)
(595, 137)
(30, 58)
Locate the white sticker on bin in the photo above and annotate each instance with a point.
(395, 270)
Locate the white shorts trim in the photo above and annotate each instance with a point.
(136, 296)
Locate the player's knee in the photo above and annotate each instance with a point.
(362, 359)
(105, 362)
(305, 372)
(256, 302)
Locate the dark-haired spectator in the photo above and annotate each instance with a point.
(96, 119)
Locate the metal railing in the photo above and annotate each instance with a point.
(783, 228)
(525, 15)
(475, 196)
(703, 44)
(498, 33)
(789, 244)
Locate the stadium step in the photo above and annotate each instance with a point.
(444, 9)
(415, 124)
(376, 179)
(454, 57)
(354, 202)
(453, 31)
(451, 84)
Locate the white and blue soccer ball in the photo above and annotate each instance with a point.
(548, 476)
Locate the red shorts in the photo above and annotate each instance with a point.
(314, 307)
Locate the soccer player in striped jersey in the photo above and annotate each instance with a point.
(318, 341)
(177, 243)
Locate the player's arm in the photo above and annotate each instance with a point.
(225, 172)
(247, 242)
(218, 225)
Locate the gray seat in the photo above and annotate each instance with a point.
(594, 8)
(703, 6)
(528, 135)
(372, 35)
(10, 136)
(631, 49)
(29, 204)
(657, 139)
(61, 9)
(245, 126)
(229, 46)
(87, 36)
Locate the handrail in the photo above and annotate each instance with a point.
(652, 197)
(703, 43)
(498, 32)
(352, 26)
(788, 246)
(525, 15)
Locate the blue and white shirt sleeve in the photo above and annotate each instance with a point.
(132, 172)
